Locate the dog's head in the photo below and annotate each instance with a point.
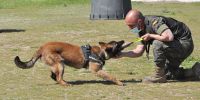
(112, 48)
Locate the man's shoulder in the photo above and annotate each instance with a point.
(155, 24)
(152, 16)
(152, 20)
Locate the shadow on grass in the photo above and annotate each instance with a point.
(186, 80)
(80, 82)
(11, 30)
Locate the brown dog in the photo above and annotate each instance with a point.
(56, 54)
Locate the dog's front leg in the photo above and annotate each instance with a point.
(106, 76)
(96, 69)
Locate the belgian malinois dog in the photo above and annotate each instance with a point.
(58, 54)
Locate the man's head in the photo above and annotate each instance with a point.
(135, 19)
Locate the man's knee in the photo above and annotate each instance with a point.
(158, 52)
(157, 45)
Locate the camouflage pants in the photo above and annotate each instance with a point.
(171, 54)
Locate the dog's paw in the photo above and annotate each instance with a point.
(64, 83)
(67, 85)
(124, 84)
(120, 84)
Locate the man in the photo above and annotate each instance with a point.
(172, 44)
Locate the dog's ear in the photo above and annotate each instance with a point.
(102, 44)
(117, 46)
(112, 42)
(120, 43)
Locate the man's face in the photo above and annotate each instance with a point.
(133, 19)
(131, 25)
(134, 24)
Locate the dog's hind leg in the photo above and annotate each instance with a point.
(53, 76)
(97, 70)
(57, 73)
(57, 67)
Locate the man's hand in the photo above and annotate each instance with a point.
(146, 37)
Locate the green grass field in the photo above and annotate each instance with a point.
(68, 21)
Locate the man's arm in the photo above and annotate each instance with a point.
(165, 36)
(138, 51)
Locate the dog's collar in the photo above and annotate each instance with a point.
(86, 49)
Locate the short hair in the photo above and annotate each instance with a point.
(140, 15)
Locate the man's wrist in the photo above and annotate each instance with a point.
(124, 54)
(151, 36)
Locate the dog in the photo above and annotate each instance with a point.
(58, 54)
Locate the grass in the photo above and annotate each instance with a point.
(39, 3)
(55, 22)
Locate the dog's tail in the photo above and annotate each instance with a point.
(28, 64)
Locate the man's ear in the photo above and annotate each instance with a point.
(102, 44)
(140, 23)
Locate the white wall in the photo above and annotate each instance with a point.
(168, 0)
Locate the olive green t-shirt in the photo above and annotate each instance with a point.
(158, 24)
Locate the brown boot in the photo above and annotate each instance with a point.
(158, 77)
